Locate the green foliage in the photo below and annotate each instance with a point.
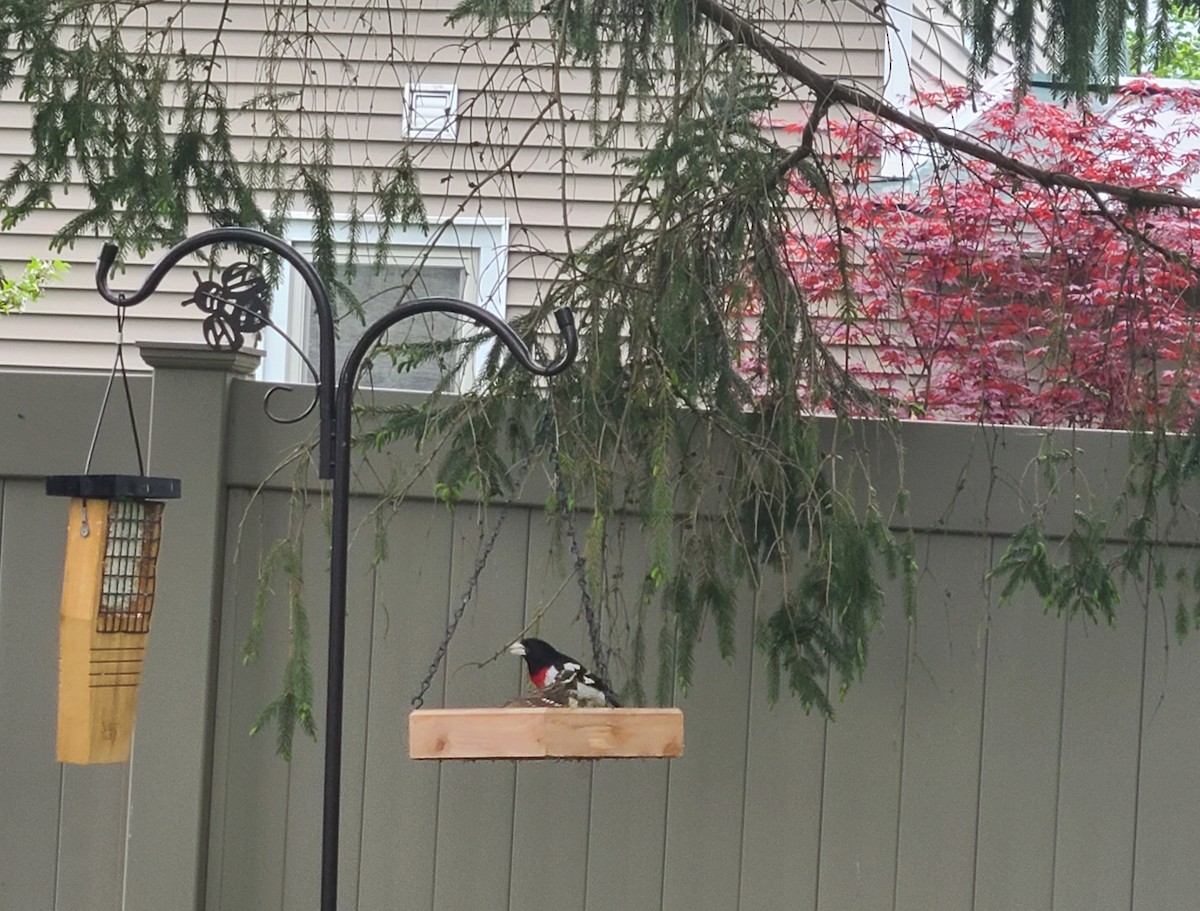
(691, 597)
(143, 122)
(99, 114)
(1174, 52)
(294, 705)
(1089, 44)
(15, 293)
(730, 482)
(825, 622)
(1086, 570)
(1026, 561)
(397, 199)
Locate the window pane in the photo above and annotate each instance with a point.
(379, 292)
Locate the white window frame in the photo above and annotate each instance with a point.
(897, 72)
(478, 244)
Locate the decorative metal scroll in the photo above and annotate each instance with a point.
(240, 303)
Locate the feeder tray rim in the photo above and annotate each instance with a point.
(545, 733)
(113, 487)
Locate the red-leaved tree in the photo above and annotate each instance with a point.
(969, 294)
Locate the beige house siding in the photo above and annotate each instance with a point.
(359, 86)
(925, 48)
(940, 53)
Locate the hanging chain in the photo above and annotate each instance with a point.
(473, 583)
(599, 661)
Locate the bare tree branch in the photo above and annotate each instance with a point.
(808, 137)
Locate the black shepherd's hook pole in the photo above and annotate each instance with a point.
(336, 405)
(340, 533)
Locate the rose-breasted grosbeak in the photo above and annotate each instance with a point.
(560, 679)
(561, 694)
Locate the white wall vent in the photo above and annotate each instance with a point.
(430, 111)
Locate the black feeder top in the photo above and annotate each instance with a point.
(112, 487)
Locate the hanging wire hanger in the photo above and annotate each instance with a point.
(118, 366)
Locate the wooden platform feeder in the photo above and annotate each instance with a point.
(113, 533)
(545, 733)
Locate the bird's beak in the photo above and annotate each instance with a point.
(516, 648)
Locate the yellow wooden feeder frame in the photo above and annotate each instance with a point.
(113, 533)
(545, 733)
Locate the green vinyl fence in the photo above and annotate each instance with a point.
(992, 758)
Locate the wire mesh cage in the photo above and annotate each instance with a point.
(114, 529)
(130, 559)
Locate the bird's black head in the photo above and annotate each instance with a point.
(539, 654)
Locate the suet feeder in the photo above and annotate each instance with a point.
(113, 534)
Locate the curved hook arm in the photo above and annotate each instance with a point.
(502, 330)
(326, 373)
